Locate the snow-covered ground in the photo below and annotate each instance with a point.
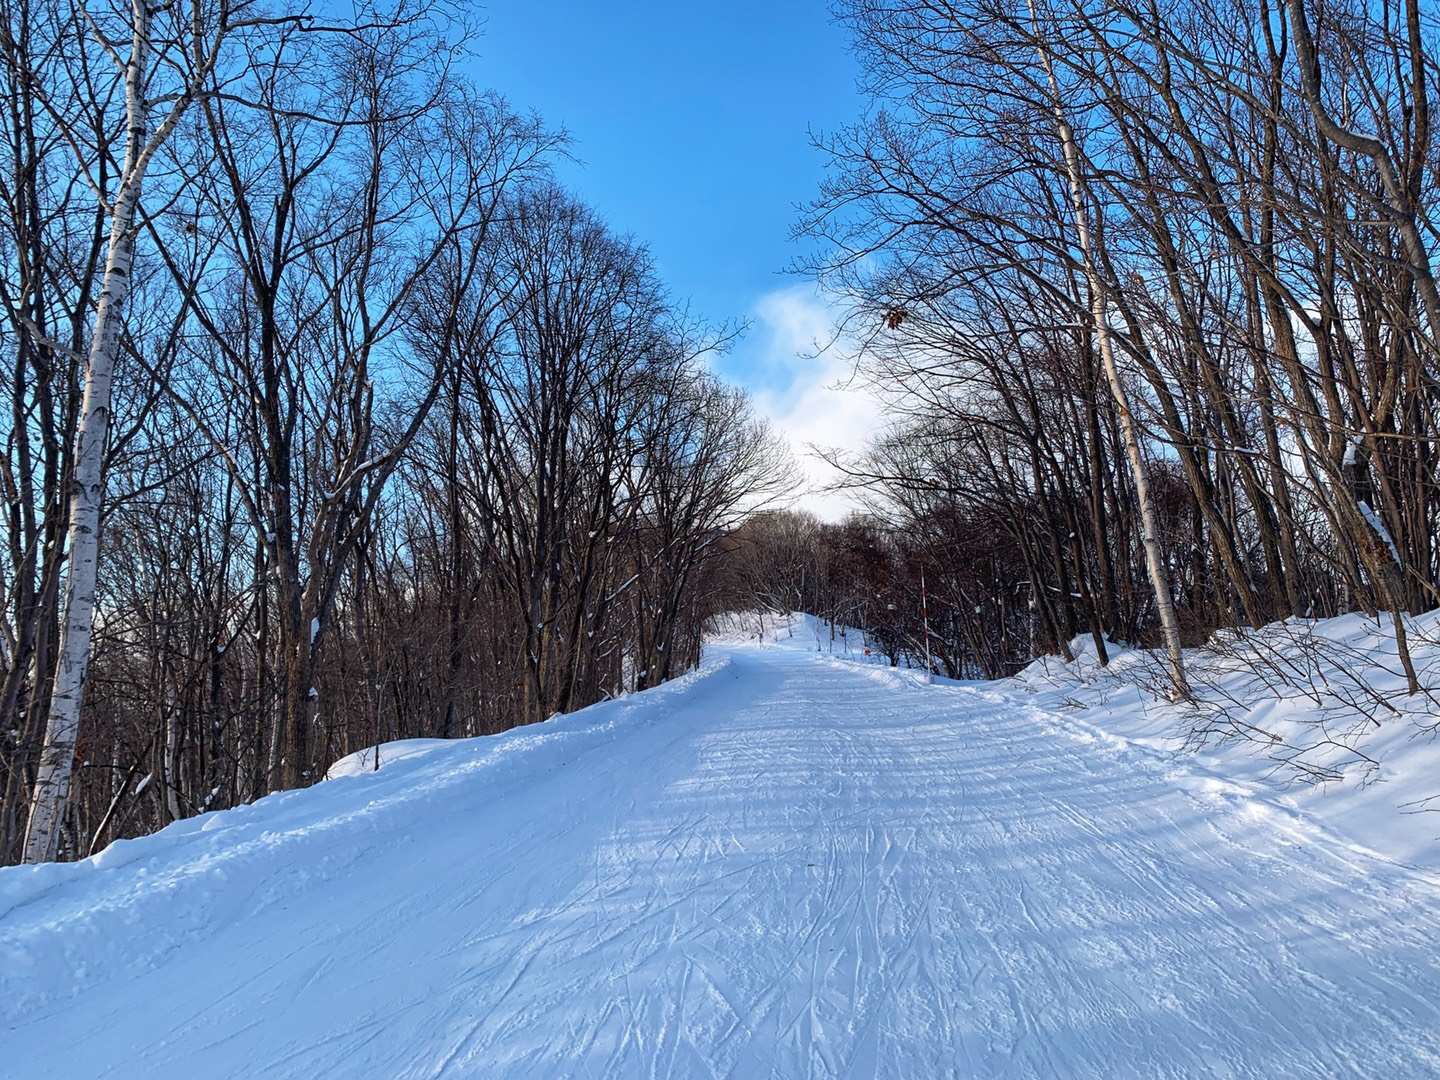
(1311, 716)
(785, 865)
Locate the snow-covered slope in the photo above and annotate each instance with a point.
(1313, 715)
(785, 865)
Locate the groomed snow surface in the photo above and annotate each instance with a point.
(784, 865)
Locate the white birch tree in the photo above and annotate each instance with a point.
(1099, 314)
(189, 44)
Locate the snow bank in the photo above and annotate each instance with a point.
(1311, 715)
(375, 758)
(139, 901)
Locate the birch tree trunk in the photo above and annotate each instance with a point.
(195, 57)
(1149, 532)
(57, 755)
(52, 781)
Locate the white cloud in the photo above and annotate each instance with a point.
(803, 381)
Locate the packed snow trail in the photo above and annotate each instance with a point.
(785, 866)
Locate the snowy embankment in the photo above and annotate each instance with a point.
(1312, 716)
(788, 864)
(141, 901)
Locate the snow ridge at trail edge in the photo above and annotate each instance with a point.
(60, 921)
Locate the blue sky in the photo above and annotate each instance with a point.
(690, 120)
(691, 128)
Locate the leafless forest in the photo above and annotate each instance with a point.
(332, 419)
(1148, 288)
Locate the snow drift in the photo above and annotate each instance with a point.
(1314, 715)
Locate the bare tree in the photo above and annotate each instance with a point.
(165, 57)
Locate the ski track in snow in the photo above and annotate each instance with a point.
(797, 867)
